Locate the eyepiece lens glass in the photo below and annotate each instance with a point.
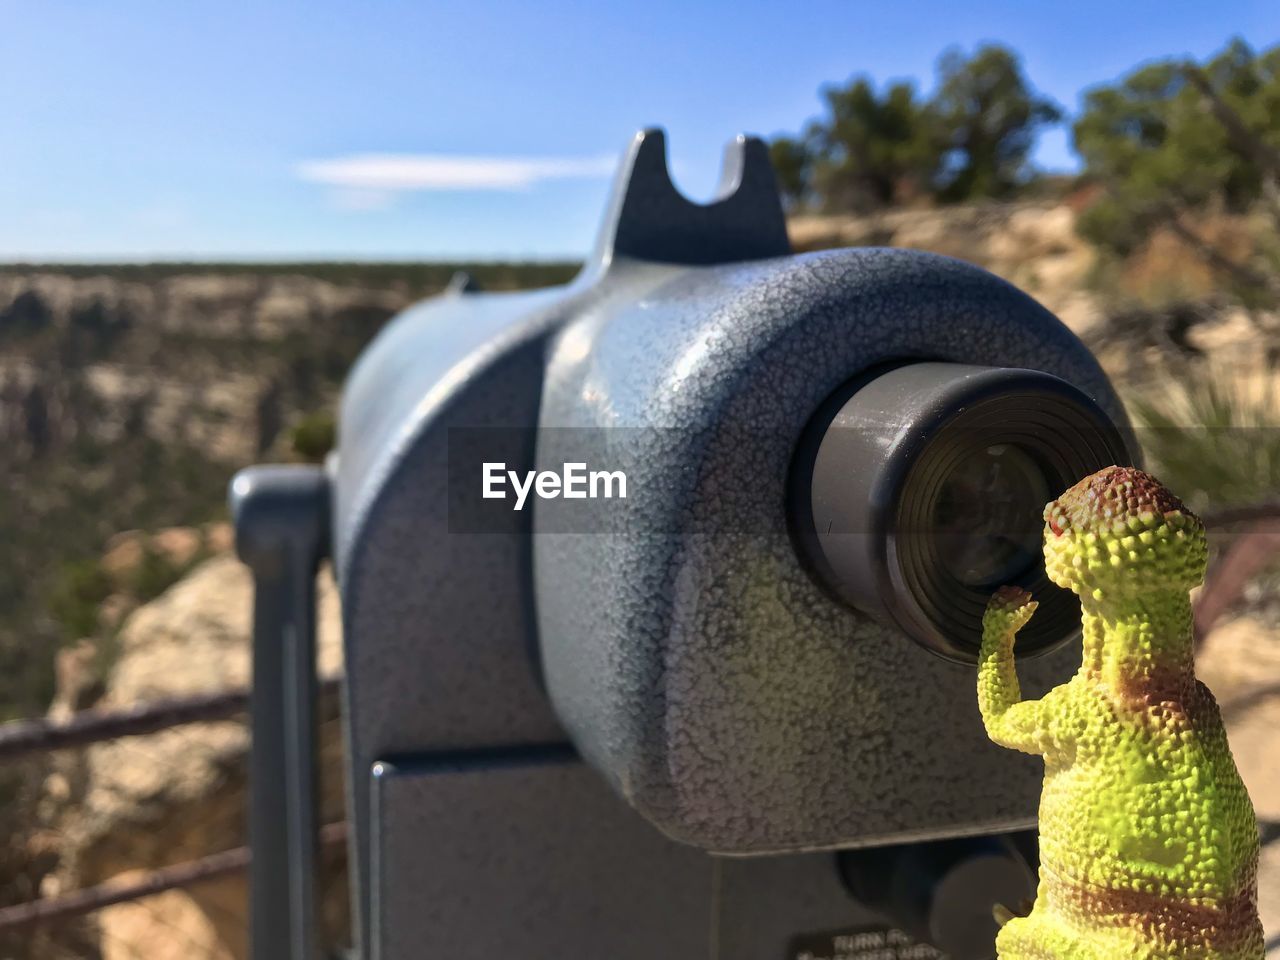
(987, 516)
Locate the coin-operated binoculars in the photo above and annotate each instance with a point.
(661, 597)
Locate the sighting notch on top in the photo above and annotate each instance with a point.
(648, 218)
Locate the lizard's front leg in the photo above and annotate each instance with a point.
(1010, 721)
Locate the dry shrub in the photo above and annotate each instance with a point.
(1168, 268)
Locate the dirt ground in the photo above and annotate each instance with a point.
(1241, 664)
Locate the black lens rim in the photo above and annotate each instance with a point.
(869, 468)
(1066, 441)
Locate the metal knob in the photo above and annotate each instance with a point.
(944, 892)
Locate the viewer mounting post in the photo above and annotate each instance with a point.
(282, 533)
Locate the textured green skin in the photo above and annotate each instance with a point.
(1148, 841)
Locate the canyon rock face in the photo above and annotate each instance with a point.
(128, 398)
(126, 806)
(210, 361)
(129, 395)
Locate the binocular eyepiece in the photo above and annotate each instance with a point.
(919, 488)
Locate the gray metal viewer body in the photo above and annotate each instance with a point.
(738, 720)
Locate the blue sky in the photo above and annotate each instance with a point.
(145, 129)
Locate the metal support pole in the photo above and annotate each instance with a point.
(282, 532)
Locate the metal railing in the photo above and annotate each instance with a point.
(23, 739)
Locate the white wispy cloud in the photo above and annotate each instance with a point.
(393, 173)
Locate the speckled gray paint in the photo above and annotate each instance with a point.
(692, 660)
(705, 673)
(528, 858)
(438, 629)
(440, 626)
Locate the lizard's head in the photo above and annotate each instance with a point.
(1119, 533)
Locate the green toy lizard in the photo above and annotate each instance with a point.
(1148, 841)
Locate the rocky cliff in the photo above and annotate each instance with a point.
(212, 362)
(120, 808)
(130, 394)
